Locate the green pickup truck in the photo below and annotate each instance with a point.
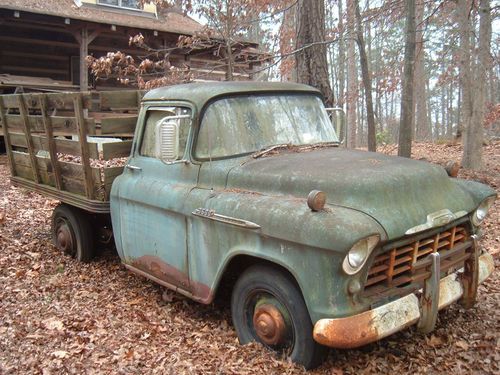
(246, 186)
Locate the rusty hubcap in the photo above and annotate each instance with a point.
(269, 324)
(64, 238)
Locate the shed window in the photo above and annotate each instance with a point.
(131, 4)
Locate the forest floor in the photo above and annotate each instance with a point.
(58, 316)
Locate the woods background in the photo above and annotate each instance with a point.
(403, 70)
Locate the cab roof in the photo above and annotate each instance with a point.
(201, 93)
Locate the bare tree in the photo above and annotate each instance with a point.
(311, 62)
(422, 121)
(474, 107)
(367, 82)
(407, 108)
(352, 75)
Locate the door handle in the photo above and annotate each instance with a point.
(133, 167)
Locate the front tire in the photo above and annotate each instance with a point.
(268, 307)
(72, 232)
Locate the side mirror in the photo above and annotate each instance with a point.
(337, 117)
(167, 141)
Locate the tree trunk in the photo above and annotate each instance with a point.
(352, 77)
(407, 108)
(367, 82)
(422, 121)
(312, 64)
(341, 95)
(473, 139)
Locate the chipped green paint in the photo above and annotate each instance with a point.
(157, 234)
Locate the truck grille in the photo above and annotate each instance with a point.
(405, 265)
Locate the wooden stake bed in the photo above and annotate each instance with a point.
(49, 149)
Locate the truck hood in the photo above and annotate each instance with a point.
(397, 192)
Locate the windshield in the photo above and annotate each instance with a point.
(245, 124)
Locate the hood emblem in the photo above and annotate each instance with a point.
(437, 219)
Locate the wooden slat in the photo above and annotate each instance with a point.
(109, 176)
(116, 149)
(82, 132)
(29, 140)
(60, 101)
(50, 141)
(122, 99)
(61, 125)
(118, 125)
(8, 146)
(72, 174)
(390, 271)
(63, 146)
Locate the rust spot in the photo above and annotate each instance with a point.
(157, 268)
(348, 333)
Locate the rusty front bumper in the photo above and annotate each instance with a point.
(375, 324)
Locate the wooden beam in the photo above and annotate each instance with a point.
(32, 41)
(8, 146)
(29, 140)
(82, 133)
(50, 139)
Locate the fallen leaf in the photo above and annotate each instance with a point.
(60, 354)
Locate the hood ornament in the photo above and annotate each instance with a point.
(437, 219)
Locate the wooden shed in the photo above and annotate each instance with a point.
(45, 42)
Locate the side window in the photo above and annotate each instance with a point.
(155, 116)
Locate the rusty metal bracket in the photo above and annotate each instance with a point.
(430, 296)
(470, 276)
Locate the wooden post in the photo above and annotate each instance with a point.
(84, 51)
(29, 140)
(8, 147)
(47, 124)
(82, 134)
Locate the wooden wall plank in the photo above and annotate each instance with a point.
(116, 149)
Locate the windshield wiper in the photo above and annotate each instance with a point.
(319, 145)
(268, 149)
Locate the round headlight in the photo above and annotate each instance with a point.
(359, 253)
(481, 212)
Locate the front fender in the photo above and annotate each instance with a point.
(476, 190)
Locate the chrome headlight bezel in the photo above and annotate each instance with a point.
(359, 253)
(481, 211)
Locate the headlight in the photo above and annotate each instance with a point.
(359, 253)
(481, 212)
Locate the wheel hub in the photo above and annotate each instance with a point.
(64, 238)
(269, 324)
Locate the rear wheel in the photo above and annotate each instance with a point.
(72, 232)
(268, 307)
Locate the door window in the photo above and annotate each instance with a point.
(155, 116)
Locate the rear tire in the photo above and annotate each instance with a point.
(267, 306)
(72, 232)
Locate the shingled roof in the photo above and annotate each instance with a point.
(171, 22)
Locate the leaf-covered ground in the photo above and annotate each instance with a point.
(58, 316)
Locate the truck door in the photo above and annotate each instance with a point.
(151, 196)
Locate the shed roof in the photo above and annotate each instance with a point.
(200, 93)
(170, 22)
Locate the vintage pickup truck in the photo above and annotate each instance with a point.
(245, 185)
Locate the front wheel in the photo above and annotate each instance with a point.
(268, 307)
(72, 232)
